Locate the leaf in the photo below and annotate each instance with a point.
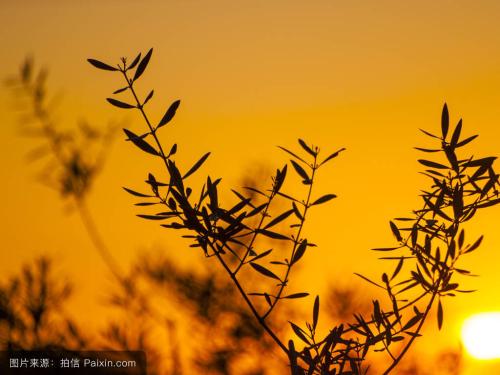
(197, 165)
(297, 295)
(152, 217)
(100, 65)
(142, 65)
(324, 198)
(466, 141)
(315, 312)
(398, 268)
(429, 134)
(489, 203)
(445, 121)
(395, 231)
(130, 191)
(134, 63)
(261, 255)
(456, 134)
(299, 170)
(120, 104)
(150, 95)
(300, 333)
(386, 248)
(410, 323)
(334, 155)
(461, 239)
(440, 315)
(291, 153)
(474, 246)
(367, 279)
(120, 90)
(169, 115)
(432, 164)
(296, 211)
(173, 150)
(301, 249)
(307, 148)
(280, 179)
(426, 149)
(279, 219)
(264, 271)
(276, 236)
(141, 143)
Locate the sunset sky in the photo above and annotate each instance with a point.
(253, 75)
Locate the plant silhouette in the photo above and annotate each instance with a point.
(139, 320)
(31, 311)
(430, 241)
(73, 158)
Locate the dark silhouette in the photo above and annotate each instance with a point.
(32, 315)
(430, 241)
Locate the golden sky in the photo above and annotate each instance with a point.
(252, 75)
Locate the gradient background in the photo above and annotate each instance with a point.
(252, 75)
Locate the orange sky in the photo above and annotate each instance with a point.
(252, 75)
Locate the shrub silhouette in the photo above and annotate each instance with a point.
(429, 242)
(31, 311)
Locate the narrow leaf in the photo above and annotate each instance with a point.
(150, 95)
(315, 312)
(297, 295)
(445, 121)
(301, 249)
(141, 143)
(466, 141)
(302, 173)
(324, 198)
(169, 115)
(100, 65)
(456, 134)
(134, 63)
(306, 147)
(120, 90)
(264, 271)
(120, 104)
(395, 231)
(293, 154)
(440, 315)
(142, 65)
(130, 191)
(276, 236)
(334, 155)
(197, 165)
(432, 164)
(279, 219)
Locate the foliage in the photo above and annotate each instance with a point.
(72, 158)
(429, 243)
(31, 314)
(139, 323)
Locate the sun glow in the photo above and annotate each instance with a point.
(481, 335)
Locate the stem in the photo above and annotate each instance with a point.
(413, 337)
(96, 238)
(226, 267)
(260, 319)
(50, 133)
(296, 242)
(249, 248)
(141, 109)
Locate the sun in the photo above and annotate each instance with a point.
(481, 335)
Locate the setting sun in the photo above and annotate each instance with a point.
(481, 335)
